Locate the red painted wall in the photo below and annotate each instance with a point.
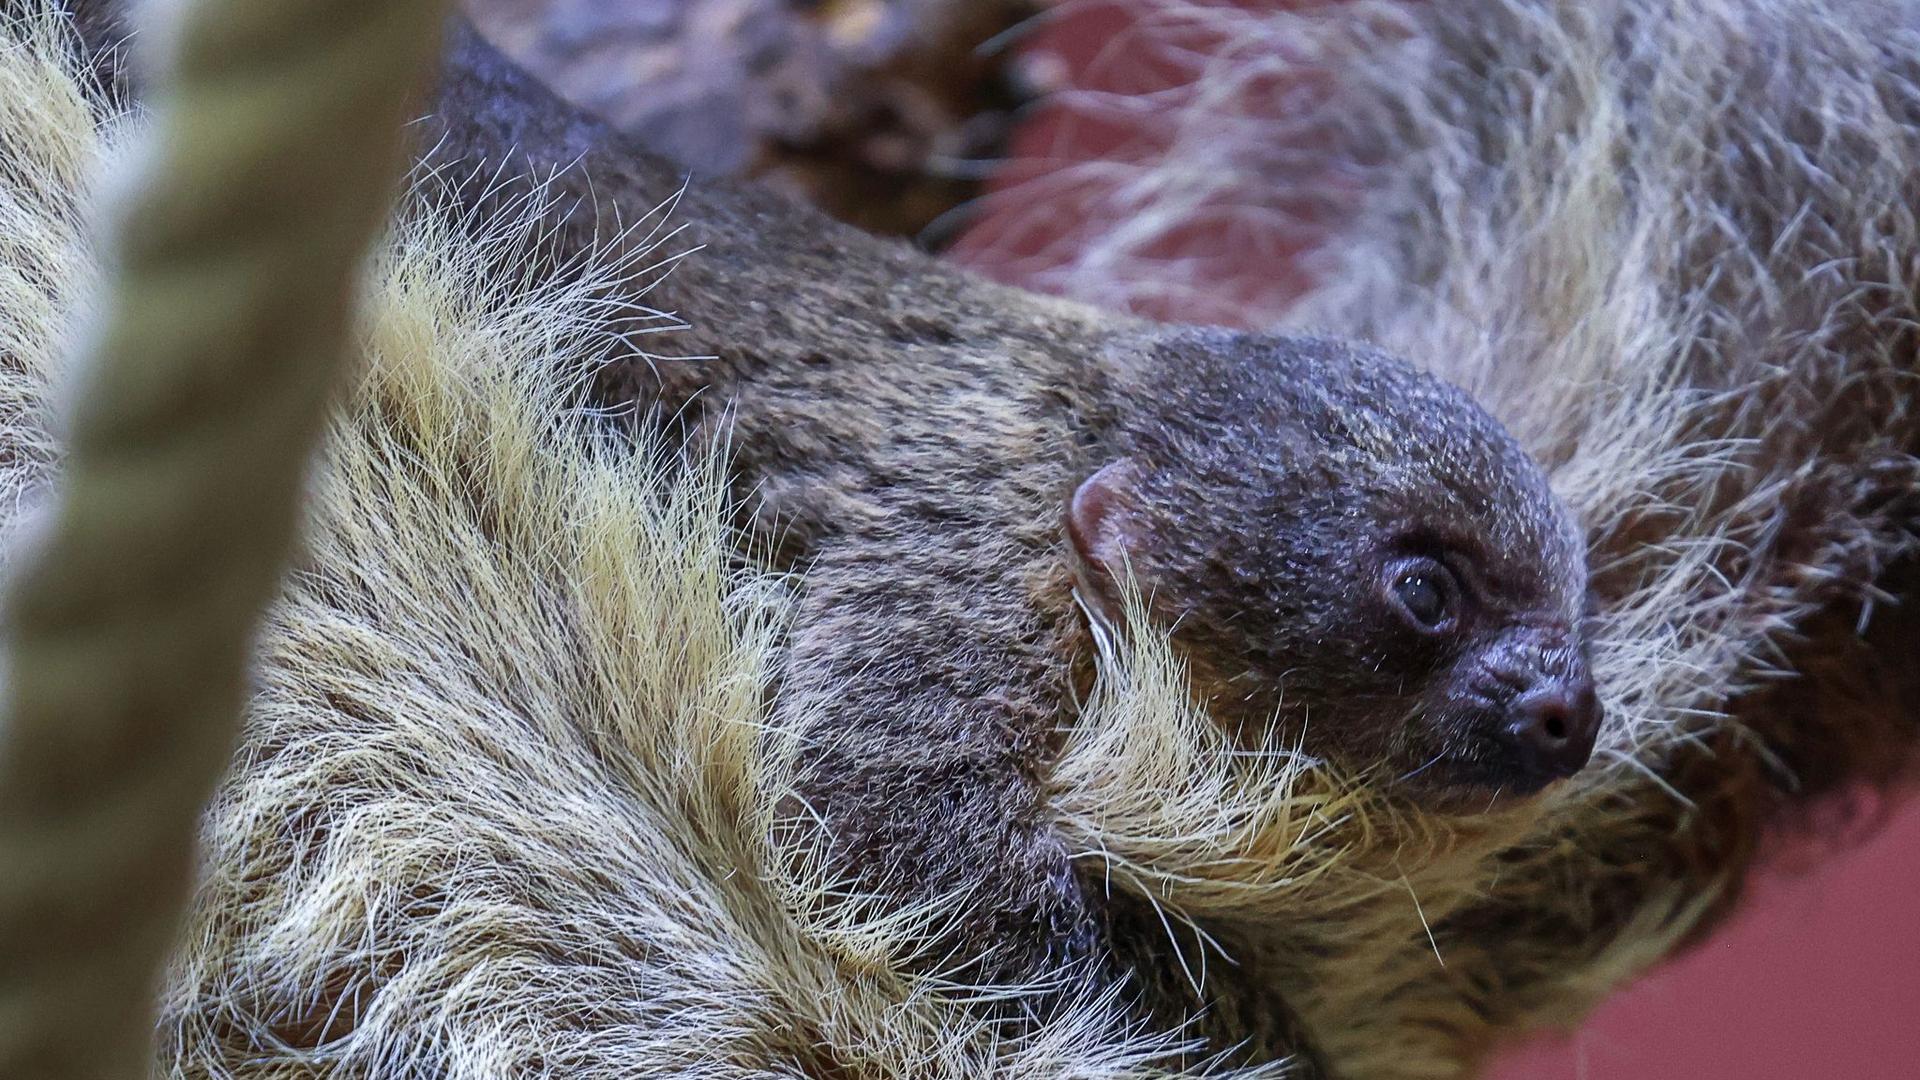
(1818, 977)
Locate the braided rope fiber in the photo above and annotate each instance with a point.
(234, 252)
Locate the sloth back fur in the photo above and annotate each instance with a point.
(1673, 247)
(503, 802)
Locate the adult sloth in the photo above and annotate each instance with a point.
(1733, 423)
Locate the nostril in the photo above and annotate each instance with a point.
(1544, 716)
(1548, 728)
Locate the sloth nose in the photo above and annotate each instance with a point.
(1553, 726)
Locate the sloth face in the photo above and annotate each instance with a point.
(1509, 707)
(1354, 558)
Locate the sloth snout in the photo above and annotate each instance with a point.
(1552, 726)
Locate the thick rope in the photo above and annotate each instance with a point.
(233, 265)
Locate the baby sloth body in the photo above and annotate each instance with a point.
(1350, 556)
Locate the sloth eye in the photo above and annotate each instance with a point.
(1424, 591)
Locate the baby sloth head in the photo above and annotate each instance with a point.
(1352, 555)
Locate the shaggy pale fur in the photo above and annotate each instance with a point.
(1674, 248)
(503, 803)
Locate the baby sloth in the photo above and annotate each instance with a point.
(1350, 553)
(1350, 556)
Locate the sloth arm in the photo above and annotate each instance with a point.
(925, 683)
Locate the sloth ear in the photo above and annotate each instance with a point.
(1105, 527)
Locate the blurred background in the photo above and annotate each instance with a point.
(1022, 157)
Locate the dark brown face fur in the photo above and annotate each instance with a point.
(1352, 555)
